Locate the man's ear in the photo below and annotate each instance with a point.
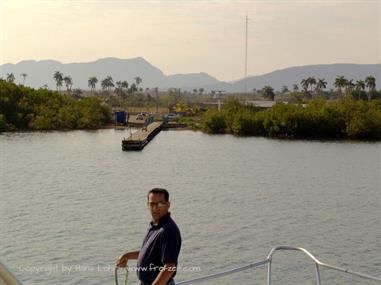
(169, 204)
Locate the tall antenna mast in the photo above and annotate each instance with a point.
(247, 21)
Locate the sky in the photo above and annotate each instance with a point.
(186, 36)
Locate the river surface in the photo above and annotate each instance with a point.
(71, 202)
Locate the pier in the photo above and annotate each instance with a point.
(139, 139)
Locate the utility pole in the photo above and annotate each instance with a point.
(157, 100)
(219, 96)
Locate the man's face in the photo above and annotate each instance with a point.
(157, 205)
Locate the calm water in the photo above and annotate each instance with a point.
(74, 201)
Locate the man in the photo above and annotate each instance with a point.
(145, 124)
(157, 258)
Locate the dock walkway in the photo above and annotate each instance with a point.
(139, 139)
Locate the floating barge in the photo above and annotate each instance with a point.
(139, 139)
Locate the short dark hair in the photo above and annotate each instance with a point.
(159, 191)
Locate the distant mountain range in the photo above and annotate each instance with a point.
(293, 75)
(41, 72)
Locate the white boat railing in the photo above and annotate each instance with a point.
(268, 261)
(7, 277)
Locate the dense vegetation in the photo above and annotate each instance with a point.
(319, 119)
(351, 111)
(26, 108)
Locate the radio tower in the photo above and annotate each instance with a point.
(247, 21)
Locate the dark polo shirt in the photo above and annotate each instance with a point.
(161, 245)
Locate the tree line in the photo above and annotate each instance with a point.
(107, 84)
(27, 108)
(312, 87)
(346, 118)
(24, 108)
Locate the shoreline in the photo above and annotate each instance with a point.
(109, 127)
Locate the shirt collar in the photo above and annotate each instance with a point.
(162, 221)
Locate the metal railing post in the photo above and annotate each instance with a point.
(269, 273)
(116, 275)
(317, 274)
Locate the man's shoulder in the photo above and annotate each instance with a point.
(170, 227)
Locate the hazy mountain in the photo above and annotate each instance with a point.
(41, 72)
(291, 75)
(190, 80)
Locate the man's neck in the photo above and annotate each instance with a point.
(156, 222)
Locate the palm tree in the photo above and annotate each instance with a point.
(133, 88)
(370, 82)
(10, 77)
(284, 89)
(350, 86)
(104, 84)
(138, 80)
(268, 92)
(68, 83)
(119, 87)
(107, 83)
(305, 83)
(340, 82)
(92, 82)
(58, 77)
(360, 86)
(321, 84)
(311, 81)
(24, 75)
(118, 84)
(125, 84)
(110, 82)
(295, 87)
